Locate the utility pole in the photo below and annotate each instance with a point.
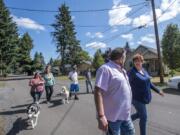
(157, 42)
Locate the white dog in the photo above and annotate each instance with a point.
(65, 94)
(33, 112)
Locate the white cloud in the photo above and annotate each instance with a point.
(127, 36)
(162, 13)
(27, 23)
(131, 43)
(99, 35)
(117, 14)
(139, 42)
(142, 20)
(116, 2)
(114, 30)
(149, 38)
(96, 45)
(88, 34)
(94, 35)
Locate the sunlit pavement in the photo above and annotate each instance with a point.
(78, 117)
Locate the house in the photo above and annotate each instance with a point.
(84, 66)
(150, 60)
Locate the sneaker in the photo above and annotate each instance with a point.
(37, 102)
(47, 102)
(76, 98)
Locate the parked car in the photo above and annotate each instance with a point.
(174, 82)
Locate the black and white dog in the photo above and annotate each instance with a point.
(33, 111)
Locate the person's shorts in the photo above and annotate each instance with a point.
(74, 88)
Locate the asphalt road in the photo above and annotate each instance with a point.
(78, 117)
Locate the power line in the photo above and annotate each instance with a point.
(88, 26)
(133, 29)
(163, 12)
(108, 29)
(73, 11)
(117, 35)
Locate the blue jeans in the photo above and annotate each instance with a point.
(88, 83)
(36, 95)
(141, 113)
(49, 92)
(121, 128)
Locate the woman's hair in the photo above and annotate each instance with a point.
(48, 66)
(117, 53)
(138, 57)
(35, 75)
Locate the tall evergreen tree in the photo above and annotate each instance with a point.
(25, 47)
(56, 63)
(127, 47)
(51, 61)
(171, 46)
(98, 59)
(42, 59)
(8, 40)
(65, 37)
(38, 62)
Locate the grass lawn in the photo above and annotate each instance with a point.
(177, 73)
(156, 80)
(2, 84)
(2, 126)
(66, 78)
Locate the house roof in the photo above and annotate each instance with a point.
(148, 48)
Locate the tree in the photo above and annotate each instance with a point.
(8, 41)
(56, 63)
(127, 47)
(25, 47)
(42, 59)
(82, 56)
(106, 55)
(171, 46)
(65, 37)
(38, 62)
(98, 59)
(51, 61)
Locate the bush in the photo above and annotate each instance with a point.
(5, 75)
(172, 72)
(178, 69)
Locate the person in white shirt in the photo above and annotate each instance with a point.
(74, 87)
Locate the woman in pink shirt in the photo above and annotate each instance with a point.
(37, 87)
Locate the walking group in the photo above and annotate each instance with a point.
(116, 90)
(46, 82)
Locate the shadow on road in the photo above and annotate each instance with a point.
(171, 91)
(84, 93)
(19, 106)
(13, 112)
(19, 125)
(55, 103)
(16, 78)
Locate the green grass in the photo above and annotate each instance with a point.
(2, 126)
(177, 73)
(2, 84)
(156, 80)
(66, 78)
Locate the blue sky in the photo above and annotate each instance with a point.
(117, 21)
